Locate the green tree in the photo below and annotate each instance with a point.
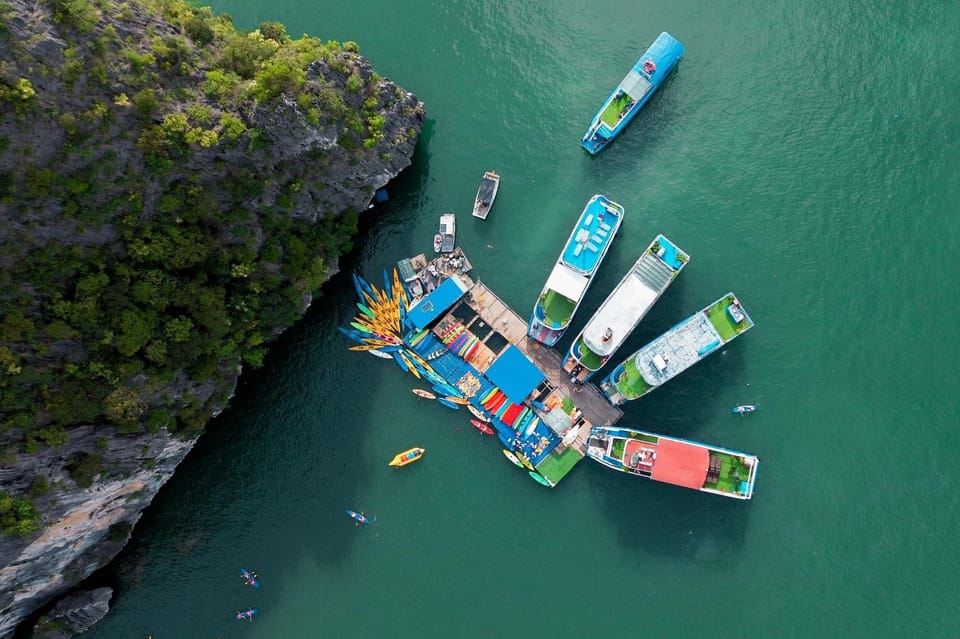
(135, 330)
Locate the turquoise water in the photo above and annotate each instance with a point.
(805, 155)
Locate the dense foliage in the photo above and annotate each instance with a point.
(143, 244)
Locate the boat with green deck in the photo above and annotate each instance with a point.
(681, 462)
(575, 269)
(678, 349)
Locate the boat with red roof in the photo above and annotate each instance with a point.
(681, 462)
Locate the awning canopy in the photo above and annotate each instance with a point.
(567, 282)
(436, 303)
(514, 374)
(681, 464)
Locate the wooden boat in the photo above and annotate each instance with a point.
(482, 427)
(486, 194)
(407, 457)
(419, 392)
(479, 414)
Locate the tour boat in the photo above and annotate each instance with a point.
(678, 349)
(643, 80)
(623, 309)
(575, 269)
(681, 462)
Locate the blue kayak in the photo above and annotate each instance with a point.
(246, 614)
(359, 517)
(249, 578)
(448, 403)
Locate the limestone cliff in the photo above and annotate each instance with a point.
(173, 192)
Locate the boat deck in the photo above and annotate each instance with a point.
(678, 349)
(595, 230)
(432, 273)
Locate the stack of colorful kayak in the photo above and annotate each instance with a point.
(464, 345)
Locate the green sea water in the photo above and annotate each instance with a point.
(805, 155)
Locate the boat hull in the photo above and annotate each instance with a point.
(679, 462)
(626, 305)
(486, 195)
(687, 343)
(633, 92)
(575, 269)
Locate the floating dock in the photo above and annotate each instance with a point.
(474, 351)
(479, 347)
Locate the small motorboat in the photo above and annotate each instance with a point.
(407, 457)
(744, 409)
(419, 392)
(447, 233)
(358, 517)
(486, 194)
(437, 243)
(481, 426)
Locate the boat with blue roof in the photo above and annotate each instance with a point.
(643, 80)
(681, 462)
(690, 341)
(627, 304)
(575, 269)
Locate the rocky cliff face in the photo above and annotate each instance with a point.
(172, 194)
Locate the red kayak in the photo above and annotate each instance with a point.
(483, 428)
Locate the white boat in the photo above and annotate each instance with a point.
(447, 234)
(486, 194)
(651, 275)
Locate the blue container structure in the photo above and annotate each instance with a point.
(643, 80)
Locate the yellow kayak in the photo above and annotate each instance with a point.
(407, 457)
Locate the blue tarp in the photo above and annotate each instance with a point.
(436, 303)
(514, 374)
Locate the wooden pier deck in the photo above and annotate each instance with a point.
(589, 401)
